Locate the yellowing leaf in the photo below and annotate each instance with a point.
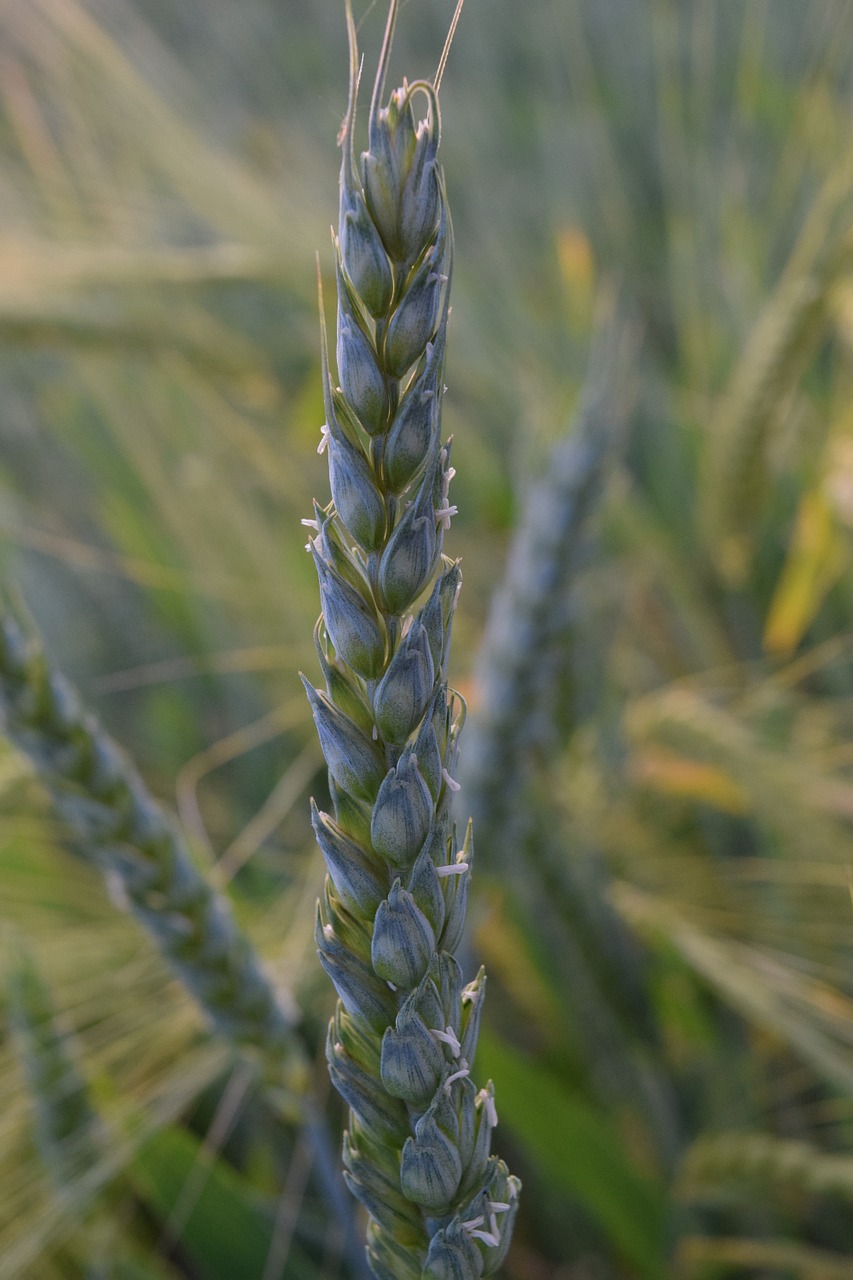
(577, 269)
(675, 775)
(815, 561)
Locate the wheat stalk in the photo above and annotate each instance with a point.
(402, 1040)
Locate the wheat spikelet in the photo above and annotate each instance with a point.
(403, 1037)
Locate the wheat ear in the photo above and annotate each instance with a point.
(119, 827)
(531, 639)
(402, 1040)
(68, 1132)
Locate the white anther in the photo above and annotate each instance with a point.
(472, 1229)
(455, 869)
(487, 1238)
(487, 1102)
(464, 1070)
(443, 515)
(451, 782)
(328, 932)
(310, 524)
(430, 347)
(375, 734)
(449, 1037)
(390, 985)
(499, 1206)
(325, 435)
(407, 626)
(339, 1048)
(456, 594)
(426, 396)
(447, 476)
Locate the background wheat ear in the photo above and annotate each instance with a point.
(402, 1041)
(115, 823)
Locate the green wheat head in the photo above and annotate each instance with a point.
(401, 1043)
(68, 1132)
(137, 847)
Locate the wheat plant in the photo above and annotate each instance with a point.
(402, 1040)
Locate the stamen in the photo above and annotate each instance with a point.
(487, 1238)
(472, 1229)
(449, 1037)
(328, 932)
(464, 1070)
(407, 626)
(325, 435)
(443, 515)
(455, 869)
(451, 782)
(310, 524)
(456, 594)
(499, 1206)
(487, 1102)
(375, 734)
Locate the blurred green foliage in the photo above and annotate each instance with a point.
(668, 928)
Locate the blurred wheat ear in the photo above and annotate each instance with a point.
(149, 872)
(68, 1132)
